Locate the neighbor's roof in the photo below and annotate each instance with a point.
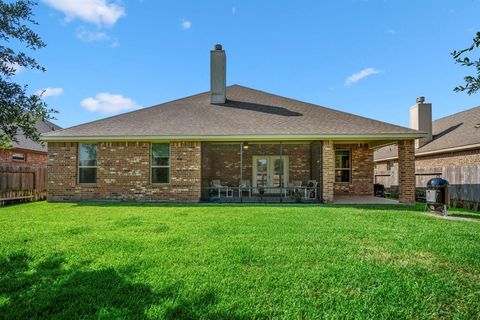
(247, 113)
(455, 131)
(43, 126)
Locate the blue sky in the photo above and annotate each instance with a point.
(105, 57)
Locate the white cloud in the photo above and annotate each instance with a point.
(96, 36)
(186, 24)
(105, 102)
(49, 92)
(91, 36)
(360, 75)
(99, 12)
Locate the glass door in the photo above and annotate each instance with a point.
(261, 175)
(270, 173)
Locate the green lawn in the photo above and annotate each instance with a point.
(123, 260)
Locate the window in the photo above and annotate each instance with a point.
(342, 166)
(390, 165)
(160, 163)
(18, 156)
(87, 163)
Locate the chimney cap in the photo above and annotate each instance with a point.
(218, 46)
(420, 99)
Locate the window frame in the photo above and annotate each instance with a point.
(390, 165)
(161, 166)
(24, 155)
(87, 167)
(344, 169)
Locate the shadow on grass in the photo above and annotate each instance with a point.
(46, 290)
(465, 215)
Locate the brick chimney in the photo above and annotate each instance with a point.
(421, 119)
(218, 75)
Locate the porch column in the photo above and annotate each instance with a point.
(328, 171)
(406, 171)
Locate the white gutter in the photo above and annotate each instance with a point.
(385, 136)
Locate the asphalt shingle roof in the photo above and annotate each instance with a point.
(247, 112)
(43, 126)
(457, 130)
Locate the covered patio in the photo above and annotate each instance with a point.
(292, 171)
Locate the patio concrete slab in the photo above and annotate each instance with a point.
(340, 199)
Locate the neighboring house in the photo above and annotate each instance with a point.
(28, 153)
(451, 150)
(232, 143)
(23, 168)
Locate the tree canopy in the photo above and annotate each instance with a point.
(19, 111)
(472, 82)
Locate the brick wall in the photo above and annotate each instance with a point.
(124, 169)
(362, 171)
(33, 159)
(459, 158)
(406, 171)
(124, 173)
(328, 155)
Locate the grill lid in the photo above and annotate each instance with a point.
(437, 182)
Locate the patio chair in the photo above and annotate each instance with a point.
(292, 187)
(245, 186)
(217, 187)
(311, 189)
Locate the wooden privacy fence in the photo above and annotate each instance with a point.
(464, 183)
(21, 184)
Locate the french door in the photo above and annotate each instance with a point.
(270, 172)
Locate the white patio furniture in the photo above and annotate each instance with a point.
(245, 186)
(293, 187)
(216, 186)
(310, 189)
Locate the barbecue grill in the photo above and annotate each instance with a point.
(437, 196)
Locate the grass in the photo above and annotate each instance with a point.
(128, 261)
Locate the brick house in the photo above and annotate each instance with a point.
(27, 153)
(231, 143)
(23, 168)
(450, 149)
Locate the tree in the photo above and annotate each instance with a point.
(19, 111)
(472, 83)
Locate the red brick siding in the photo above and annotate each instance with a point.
(33, 159)
(124, 173)
(406, 171)
(362, 171)
(328, 180)
(459, 158)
